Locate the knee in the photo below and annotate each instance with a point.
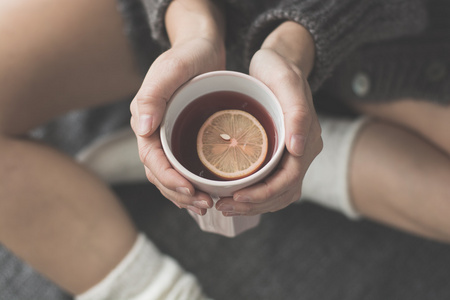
(429, 120)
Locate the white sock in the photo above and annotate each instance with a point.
(145, 273)
(114, 158)
(326, 181)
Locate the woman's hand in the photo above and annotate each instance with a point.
(196, 34)
(283, 64)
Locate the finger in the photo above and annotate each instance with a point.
(280, 189)
(160, 187)
(161, 81)
(161, 173)
(229, 207)
(274, 193)
(288, 175)
(293, 93)
(168, 72)
(153, 157)
(200, 201)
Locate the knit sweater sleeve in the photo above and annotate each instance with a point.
(339, 26)
(156, 11)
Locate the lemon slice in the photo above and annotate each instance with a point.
(232, 144)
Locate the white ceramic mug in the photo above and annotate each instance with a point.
(204, 84)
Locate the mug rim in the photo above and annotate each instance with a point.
(224, 183)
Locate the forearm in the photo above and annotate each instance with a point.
(187, 19)
(293, 42)
(172, 20)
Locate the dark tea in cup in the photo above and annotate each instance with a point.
(188, 123)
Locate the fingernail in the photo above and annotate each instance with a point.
(145, 124)
(183, 190)
(242, 198)
(201, 204)
(225, 207)
(298, 144)
(195, 210)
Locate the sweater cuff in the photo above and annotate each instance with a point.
(156, 12)
(338, 27)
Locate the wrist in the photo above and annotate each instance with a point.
(294, 42)
(195, 19)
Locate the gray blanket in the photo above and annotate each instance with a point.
(302, 252)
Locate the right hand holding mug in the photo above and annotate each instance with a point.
(283, 64)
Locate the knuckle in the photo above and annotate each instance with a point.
(316, 139)
(145, 155)
(287, 76)
(153, 159)
(246, 209)
(282, 202)
(150, 94)
(318, 146)
(300, 113)
(268, 191)
(150, 176)
(300, 117)
(291, 180)
(174, 63)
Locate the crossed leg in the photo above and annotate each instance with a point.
(54, 214)
(400, 168)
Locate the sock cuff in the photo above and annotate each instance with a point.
(145, 273)
(347, 144)
(327, 179)
(107, 287)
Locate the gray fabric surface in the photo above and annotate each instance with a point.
(303, 252)
(417, 67)
(18, 281)
(74, 131)
(337, 27)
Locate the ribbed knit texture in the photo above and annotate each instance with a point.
(415, 67)
(156, 10)
(401, 45)
(137, 29)
(338, 27)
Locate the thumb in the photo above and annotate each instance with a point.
(168, 72)
(293, 93)
(147, 110)
(149, 105)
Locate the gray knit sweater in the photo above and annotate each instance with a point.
(337, 26)
(370, 50)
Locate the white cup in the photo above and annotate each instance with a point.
(213, 220)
